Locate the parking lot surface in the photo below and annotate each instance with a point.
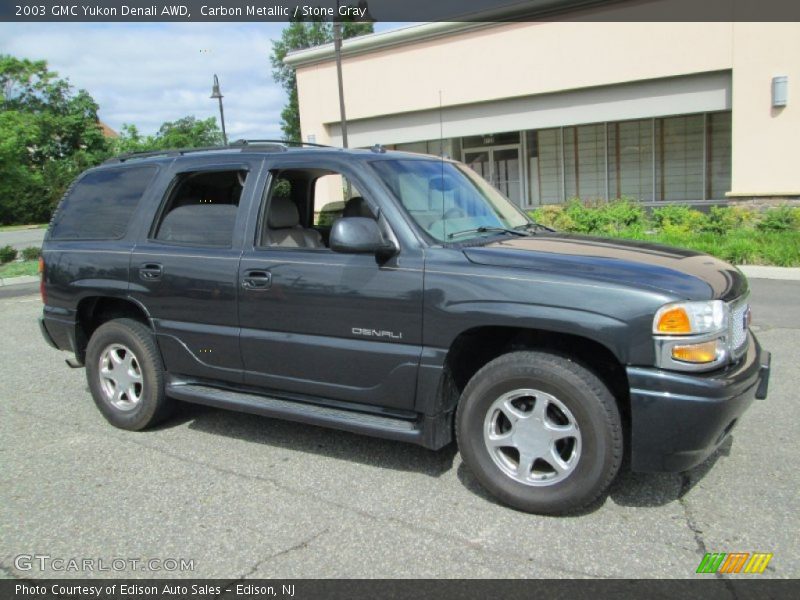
(245, 496)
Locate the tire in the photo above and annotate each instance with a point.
(542, 410)
(132, 396)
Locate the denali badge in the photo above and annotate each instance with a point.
(377, 333)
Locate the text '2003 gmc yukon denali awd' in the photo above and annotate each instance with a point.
(400, 296)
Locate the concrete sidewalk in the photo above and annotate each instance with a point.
(18, 280)
(761, 272)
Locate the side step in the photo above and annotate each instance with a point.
(338, 418)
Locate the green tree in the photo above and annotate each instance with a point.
(296, 36)
(48, 134)
(188, 132)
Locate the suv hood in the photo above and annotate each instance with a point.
(684, 273)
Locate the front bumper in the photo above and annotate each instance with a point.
(679, 419)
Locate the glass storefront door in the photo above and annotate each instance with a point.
(500, 166)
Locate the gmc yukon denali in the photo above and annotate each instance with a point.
(400, 296)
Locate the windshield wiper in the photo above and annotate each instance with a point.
(533, 226)
(486, 229)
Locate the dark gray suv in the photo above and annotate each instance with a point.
(401, 296)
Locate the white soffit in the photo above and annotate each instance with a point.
(652, 98)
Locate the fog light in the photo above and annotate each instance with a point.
(705, 352)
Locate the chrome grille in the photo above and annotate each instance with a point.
(738, 327)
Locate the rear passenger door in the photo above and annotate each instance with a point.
(185, 269)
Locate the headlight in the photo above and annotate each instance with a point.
(691, 318)
(693, 336)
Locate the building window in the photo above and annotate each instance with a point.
(584, 162)
(450, 147)
(671, 159)
(718, 155)
(630, 160)
(545, 179)
(679, 158)
(491, 139)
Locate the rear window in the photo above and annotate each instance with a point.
(101, 204)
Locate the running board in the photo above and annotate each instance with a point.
(338, 418)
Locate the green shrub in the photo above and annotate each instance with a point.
(602, 218)
(717, 221)
(678, 217)
(581, 218)
(553, 216)
(7, 254)
(31, 253)
(722, 219)
(781, 218)
(728, 233)
(620, 215)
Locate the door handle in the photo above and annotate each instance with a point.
(257, 280)
(150, 271)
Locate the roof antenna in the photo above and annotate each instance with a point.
(441, 161)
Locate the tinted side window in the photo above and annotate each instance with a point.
(201, 210)
(101, 204)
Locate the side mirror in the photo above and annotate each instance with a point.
(359, 235)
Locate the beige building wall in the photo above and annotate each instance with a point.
(522, 60)
(766, 160)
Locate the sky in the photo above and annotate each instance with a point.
(148, 73)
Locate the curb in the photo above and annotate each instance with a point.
(761, 272)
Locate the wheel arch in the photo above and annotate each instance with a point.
(93, 311)
(477, 346)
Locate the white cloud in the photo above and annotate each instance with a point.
(148, 73)
(151, 73)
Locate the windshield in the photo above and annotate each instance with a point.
(449, 200)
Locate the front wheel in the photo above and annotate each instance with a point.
(540, 432)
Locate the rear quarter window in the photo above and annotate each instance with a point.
(100, 205)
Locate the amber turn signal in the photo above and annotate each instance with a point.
(674, 320)
(704, 352)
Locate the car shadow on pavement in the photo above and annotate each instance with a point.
(658, 489)
(628, 489)
(300, 437)
(640, 490)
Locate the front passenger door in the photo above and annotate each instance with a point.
(324, 324)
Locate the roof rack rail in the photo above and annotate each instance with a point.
(172, 152)
(238, 145)
(244, 142)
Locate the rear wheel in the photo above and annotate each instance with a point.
(540, 432)
(126, 375)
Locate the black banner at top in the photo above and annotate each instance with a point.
(397, 10)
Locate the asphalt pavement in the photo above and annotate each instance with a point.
(245, 496)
